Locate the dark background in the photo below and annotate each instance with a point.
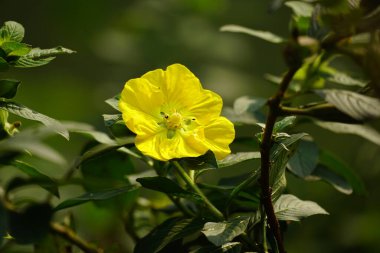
(118, 40)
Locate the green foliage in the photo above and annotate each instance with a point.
(184, 205)
(220, 233)
(289, 207)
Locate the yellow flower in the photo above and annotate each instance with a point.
(173, 116)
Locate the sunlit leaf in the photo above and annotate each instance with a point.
(12, 31)
(88, 130)
(357, 106)
(38, 57)
(25, 112)
(289, 207)
(343, 78)
(220, 233)
(246, 110)
(237, 158)
(8, 88)
(264, 35)
(165, 185)
(12, 48)
(305, 159)
(114, 102)
(363, 131)
(300, 8)
(171, 230)
(286, 122)
(94, 196)
(41, 179)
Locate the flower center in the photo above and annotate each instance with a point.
(173, 121)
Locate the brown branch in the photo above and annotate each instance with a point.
(266, 144)
(72, 237)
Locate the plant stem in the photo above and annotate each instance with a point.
(195, 188)
(266, 144)
(72, 237)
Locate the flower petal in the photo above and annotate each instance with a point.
(140, 104)
(218, 136)
(183, 91)
(162, 148)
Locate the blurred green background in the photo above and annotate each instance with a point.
(117, 40)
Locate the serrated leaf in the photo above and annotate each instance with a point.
(264, 35)
(171, 230)
(364, 131)
(165, 185)
(25, 112)
(220, 233)
(341, 168)
(114, 102)
(8, 88)
(94, 196)
(286, 122)
(321, 172)
(12, 31)
(305, 159)
(38, 57)
(239, 157)
(300, 8)
(289, 207)
(41, 179)
(357, 106)
(12, 48)
(280, 154)
(343, 78)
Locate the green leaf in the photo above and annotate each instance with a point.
(8, 88)
(171, 230)
(23, 111)
(280, 154)
(231, 247)
(289, 207)
(203, 162)
(305, 159)
(357, 106)
(114, 102)
(12, 31)
(300, 8)
(220, 233)
(101, 149)
(38, 57)
(321, 172)
(94, 196)
(264, 35)
(29, 141)
(363, 131)
(30, 225)
(286, 122)
(12, 48)
(246, 110)
(88, 130)
(342, 169)
(111, 119)
(343, 78)
(41, 179)
(239, 157)
(165, 185)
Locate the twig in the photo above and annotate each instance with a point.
(195, 188)
(72, 237)
(266, 144)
